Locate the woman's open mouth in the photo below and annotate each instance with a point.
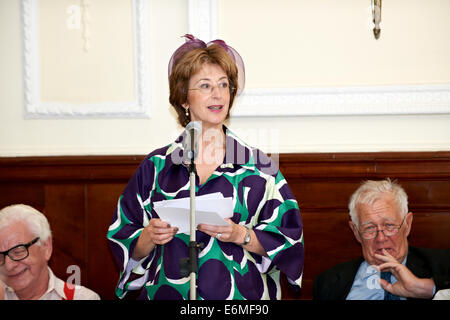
(215, 108)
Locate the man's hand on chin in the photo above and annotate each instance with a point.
(407, 285)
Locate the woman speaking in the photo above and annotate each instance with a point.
(264, 237)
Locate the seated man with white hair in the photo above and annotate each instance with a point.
(25, 249)
(389, 268)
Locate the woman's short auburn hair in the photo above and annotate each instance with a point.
(190, 64)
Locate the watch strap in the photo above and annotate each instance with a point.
(247, 237)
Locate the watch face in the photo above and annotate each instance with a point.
(247, 237)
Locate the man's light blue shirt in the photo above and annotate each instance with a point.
(366, 285)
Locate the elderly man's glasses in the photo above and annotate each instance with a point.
(207, 87)
(370, 231)
(18, 252)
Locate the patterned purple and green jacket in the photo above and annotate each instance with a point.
(262, 201)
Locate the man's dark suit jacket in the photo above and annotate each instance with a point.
(335, 283)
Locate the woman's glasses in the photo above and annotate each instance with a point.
(207, 87)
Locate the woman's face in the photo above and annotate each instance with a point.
(209, 96)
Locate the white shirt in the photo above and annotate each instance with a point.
(442, 295)
(55, 291)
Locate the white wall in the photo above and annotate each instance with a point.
(284, 44)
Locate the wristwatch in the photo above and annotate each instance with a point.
(247, 237)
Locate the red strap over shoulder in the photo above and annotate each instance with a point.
(69, 291)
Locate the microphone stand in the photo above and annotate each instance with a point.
(189, 266)
(193, 264)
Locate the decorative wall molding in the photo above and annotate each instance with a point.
(203, 19)
(322, 101)
(379, 100)
(36, 108)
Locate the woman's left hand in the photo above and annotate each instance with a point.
(233, 233)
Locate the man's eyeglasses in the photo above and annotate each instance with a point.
(207, 87)
(18, 252)
(370, 231)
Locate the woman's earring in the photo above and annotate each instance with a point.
(187, 112)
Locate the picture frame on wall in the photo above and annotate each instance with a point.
(86, 59)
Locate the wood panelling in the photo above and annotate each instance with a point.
(79, 195)
(64, 208)
(101, 200)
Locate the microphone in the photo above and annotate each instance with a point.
(190, 145)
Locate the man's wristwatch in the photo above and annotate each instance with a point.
(247, 237)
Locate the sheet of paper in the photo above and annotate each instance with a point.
(180, 217)
(210, 209)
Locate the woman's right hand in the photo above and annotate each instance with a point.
(157, 232)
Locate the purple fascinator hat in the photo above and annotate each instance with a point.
(194, 43)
